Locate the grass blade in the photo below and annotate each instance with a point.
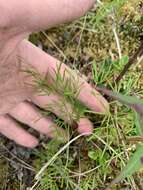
(134, 164)
(131, 102)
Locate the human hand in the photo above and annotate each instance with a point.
(18, 99)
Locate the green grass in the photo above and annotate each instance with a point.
(106, 150)
(91, 163)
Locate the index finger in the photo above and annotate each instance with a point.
(46, 64)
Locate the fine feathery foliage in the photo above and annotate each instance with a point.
(104, 148)
(67, 85)
(135, 163)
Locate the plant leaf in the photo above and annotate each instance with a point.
(131, 102)
(134, 164)
(139, 124)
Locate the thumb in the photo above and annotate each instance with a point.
(35, 15)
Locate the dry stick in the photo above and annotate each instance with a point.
(132, 60)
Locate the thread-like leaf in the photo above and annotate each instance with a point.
(136, 161)
(131, 102)
(134, 164)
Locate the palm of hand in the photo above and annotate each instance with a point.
(17, 97)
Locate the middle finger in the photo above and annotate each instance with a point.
(30, 115)
(64, 110)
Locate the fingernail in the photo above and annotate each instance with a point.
(85, 126)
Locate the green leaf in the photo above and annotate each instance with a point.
(93, 155)
(106, 9)
(139, 124)
(124, 60)
(131, 102)
(95, 72)
(134, 164)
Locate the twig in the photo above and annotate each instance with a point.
(79, 177)
(80, 38)
(23, 163)
(55, 46)
(132, 60)
(117, 41)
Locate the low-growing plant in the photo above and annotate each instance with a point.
(58, 168)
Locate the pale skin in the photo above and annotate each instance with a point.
(18, 100)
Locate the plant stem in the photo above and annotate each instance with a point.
(132, 60)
